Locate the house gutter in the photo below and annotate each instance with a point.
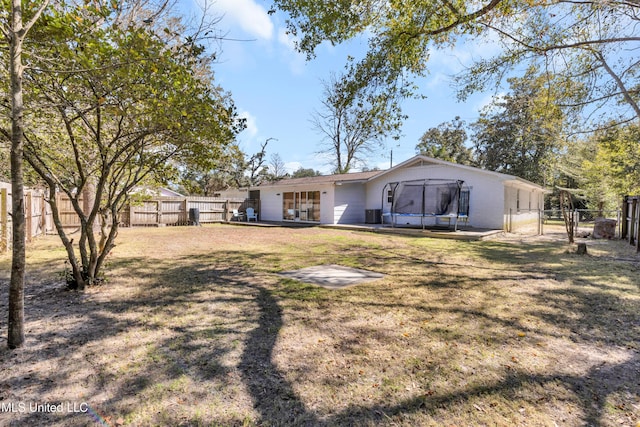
(520, 182)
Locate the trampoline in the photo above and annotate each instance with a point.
(430, 200)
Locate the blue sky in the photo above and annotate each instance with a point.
(277, 90)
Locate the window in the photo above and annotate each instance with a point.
(313, 204)
(463, 207)
(288, 212)
(301, 206)
(390, 196)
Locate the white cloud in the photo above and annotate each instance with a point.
(251, 16)
(489, 99)
(451, 61)
(438, 80)
(292, 166)
(286, 39)
(385, 164)
(252, 126)
(296, 60)
(465, 52)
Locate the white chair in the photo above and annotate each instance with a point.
(251, 214)
(237, 215)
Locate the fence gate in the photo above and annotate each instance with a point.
(584, 220)
(631, 220)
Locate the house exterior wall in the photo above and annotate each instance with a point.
(349, 204)
(327, 202)
(522, 209)
(486, 203)
(270, 204)
(271, 201)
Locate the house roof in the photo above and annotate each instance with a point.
(374, 175)
(155, 191)
(325, 179)
(424, 160)
(168, 192)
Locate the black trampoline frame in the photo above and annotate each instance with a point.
(450, 217)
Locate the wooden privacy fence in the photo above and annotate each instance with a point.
(165, 211)
(155, 211)
(631, 220)
(37, 211)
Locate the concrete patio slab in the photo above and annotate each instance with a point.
(332, 276)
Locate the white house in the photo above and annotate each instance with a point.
(483, 199)
(156, 191)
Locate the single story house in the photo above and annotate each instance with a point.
(421, 188)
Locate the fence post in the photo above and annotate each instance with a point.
(159, 213)
(540, 219)
(636, 223)
(632, 222)
(184, 215)
(623, 217)
(43, 214)
(4, 221)
(28, 212)
(58, 201)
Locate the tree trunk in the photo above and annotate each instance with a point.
(15, 36)
(74, 279)
(16, 286)
(90, 208)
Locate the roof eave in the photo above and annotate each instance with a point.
(526, 183)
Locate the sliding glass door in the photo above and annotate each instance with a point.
(301, 206)
(288, 211)
(313, 206)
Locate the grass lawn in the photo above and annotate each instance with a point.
(194, 327)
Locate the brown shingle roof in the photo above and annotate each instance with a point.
(324, 179)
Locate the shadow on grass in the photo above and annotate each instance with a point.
(83, 321)
(274, 397)
(592, 390)
(601, 320)
(199, 350)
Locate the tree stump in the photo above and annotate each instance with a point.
(582, 249)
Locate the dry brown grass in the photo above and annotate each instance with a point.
(194, 327)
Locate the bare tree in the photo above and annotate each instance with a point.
(353, 123)
(256, 164)
(277, 167)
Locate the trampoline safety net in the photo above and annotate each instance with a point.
(427, 198)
